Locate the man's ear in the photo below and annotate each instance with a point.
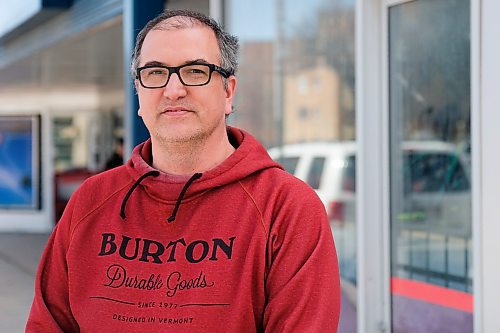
(136, 85)
(230, 90)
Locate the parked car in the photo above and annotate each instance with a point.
(436, 189)
(430, 192)
(430, 183)
(329, 168)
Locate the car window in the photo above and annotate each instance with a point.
(315, 172)
(349, 174)
(289, 163)
(434, 172)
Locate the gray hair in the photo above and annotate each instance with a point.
(228, 44)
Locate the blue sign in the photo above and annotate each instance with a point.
(19, 162)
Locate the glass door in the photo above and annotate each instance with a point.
(429, 160)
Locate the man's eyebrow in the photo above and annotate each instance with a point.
(196, 61)
(188, 62)
(154, 63)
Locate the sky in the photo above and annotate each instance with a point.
(256, 20)
(12, 13)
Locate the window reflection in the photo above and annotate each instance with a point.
(300, 54)
(65, 134)
(315, 172)
(289, 163)
(296, 95)
(429, 82)
(437, 172)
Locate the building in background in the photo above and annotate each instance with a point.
(312, 105)
(254, 108)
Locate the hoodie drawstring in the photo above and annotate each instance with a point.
(129, 193)
(181, 196)
(155, 173)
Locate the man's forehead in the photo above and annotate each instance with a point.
(173, 27)
(203, 34)
(160, 45)
(178, 22)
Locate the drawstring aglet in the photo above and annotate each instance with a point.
(181, 196)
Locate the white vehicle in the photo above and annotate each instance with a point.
(435, 190)
(430, 191)
(433, 184)
(329, 168)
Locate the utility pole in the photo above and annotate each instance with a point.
(278, 109)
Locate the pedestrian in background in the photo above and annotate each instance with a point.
(117, 158)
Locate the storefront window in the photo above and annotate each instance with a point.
(20, 162)
(296, 95)
(429, 95)
(71, 143)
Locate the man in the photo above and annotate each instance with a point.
(200, 231)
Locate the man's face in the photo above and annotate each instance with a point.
(178, 113)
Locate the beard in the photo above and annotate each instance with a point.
(192, 132)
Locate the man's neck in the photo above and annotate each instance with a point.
(187, 158)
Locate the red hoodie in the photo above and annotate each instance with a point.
(247, 248)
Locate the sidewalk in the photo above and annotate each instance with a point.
(19, 256)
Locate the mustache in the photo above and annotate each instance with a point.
(183, 105)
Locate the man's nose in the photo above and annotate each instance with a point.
(174, 88)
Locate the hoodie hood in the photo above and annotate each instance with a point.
(248, 158)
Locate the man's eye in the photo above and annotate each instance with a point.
(196, 71)
(157, 71)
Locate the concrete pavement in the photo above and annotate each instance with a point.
(19, 256)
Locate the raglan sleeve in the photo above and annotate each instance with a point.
(302, 283)
(50, 310)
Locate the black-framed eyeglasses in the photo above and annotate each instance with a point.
(193, 74)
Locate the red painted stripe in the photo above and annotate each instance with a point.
(432, 294)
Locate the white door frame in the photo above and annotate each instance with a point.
(372, 130)
(486, 163)
(476, 165)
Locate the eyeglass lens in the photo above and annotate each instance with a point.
(154, 77)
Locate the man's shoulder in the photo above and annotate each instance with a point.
(278, 193)
(279, 180)
(95, 194)
(105, 184)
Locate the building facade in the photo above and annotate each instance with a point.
(411, 83)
